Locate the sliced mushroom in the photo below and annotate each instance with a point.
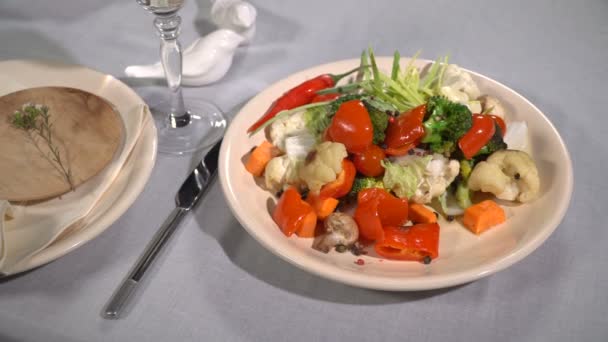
(341, 229)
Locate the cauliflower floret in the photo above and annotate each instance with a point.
(475, 106)
(439, 173)
(286, 126)
(508, 174)
(280, 171)
(458, 85)
(420, 178)
(322, 165)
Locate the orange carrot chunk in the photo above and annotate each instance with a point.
(482, 216)
(421, 214)
(259, 157)
(308, 227)
(323, 206)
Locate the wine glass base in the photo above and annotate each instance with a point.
(206, 126)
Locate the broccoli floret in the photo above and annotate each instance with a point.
(496, 143)
(317, 120)
(335, 104)
(379, 115)
(445, 122)
(361, 183)
(462, 193)
(466, 166)
(379, 124)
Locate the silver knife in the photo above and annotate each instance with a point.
(189, 194)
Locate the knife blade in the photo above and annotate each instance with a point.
(188, 195)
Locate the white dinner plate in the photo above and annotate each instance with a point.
(463, 256)
(136, 170)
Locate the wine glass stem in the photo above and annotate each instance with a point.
(171, 59)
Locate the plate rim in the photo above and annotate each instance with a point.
(90, 231)
(379, 282)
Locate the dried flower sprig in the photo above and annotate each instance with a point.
(35, 121)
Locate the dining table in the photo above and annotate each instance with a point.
(214, 282)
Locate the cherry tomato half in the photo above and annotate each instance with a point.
(406, 130)
(352, 126)
(368, 161)
(480, 133)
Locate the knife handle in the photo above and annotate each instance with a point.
(120, 298)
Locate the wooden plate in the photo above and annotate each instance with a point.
(85, 127)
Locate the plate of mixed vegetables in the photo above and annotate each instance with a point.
(395, 173)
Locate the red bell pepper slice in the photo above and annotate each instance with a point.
(377, 208)
(368, 220)
(405, 132)
(416, 243)
(294, 215)
(478, 136)
(343, 183)
(500, 122)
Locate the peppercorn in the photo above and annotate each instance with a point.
(340, 248)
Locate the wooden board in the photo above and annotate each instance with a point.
(86, 129)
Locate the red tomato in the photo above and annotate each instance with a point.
(480, 133)
(405, 131)
(352, 126)
(368, 161)
(414, 243)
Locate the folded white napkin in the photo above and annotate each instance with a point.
(208, 58)
(27, 229)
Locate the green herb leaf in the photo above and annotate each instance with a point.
(395, 71)
(35, 122)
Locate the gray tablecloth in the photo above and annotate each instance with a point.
(216, 283)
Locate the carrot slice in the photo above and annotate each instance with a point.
(421, 214)
(308, 227)
(259, 157)
(323, 206)
(482, 216)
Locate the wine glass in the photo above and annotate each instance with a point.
(184, 124)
